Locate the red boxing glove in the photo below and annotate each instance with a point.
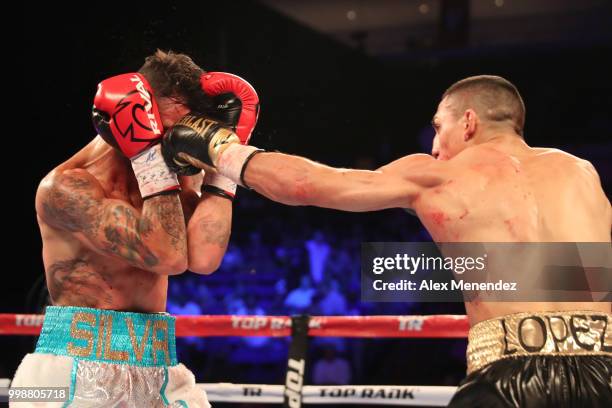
(236, 102)
(236, 105)
(125, 115)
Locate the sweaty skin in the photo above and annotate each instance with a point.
(103, 247)
(487, 186)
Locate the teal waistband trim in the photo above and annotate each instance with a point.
(109, 336)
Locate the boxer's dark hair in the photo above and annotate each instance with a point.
(492, 97)
(175, 75)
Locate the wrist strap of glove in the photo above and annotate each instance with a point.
(153, 175)
(219, 185)
(234, 160)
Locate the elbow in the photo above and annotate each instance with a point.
(176, 266)
(171, 254)
(204, 266)
(173, 263)
(205, 262)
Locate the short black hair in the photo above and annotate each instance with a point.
(492, 97)
(175, 75)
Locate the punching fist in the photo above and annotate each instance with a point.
(195, 140)
(235, 106)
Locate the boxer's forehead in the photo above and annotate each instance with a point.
(171, 110)
(173, 104)
(444, 108)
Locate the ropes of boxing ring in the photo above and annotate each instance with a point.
(433, 326)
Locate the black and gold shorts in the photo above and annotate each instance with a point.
(544, 359)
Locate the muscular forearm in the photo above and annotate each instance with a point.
(170, 236)
(154, 239)
(295, 180)
(208, 233)
(284, 178)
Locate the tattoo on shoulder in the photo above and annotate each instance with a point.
(74, 203)
(69, 204)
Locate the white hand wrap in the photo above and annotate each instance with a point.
(232, 161)
(152, 173)
(221, 182)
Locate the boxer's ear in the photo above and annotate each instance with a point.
(470, 124)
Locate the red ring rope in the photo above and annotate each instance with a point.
(434, 326)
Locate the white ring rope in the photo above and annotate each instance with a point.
(397, 395)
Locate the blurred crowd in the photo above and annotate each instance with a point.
(288, 268)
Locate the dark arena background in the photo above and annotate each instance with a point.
(347, 83)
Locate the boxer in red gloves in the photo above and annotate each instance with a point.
(116, 221)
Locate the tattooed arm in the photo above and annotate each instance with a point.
(153, 239)
(208, 233)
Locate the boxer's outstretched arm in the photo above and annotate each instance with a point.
(295, 180)
(153, 239)
(208, 233)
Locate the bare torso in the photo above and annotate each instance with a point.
(80, 276)
(513, 193)
(498, 190)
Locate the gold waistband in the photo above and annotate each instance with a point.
(550, 333)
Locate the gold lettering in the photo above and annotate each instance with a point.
(100, 336)
(163, 343)
(81, 334)
(199, 124)
(138, 349)
(109, 353)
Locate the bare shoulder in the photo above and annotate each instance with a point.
(420, 170)
(65, 196)
(566, 161)
(552, 153)
(409, 163)
(68, 180)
